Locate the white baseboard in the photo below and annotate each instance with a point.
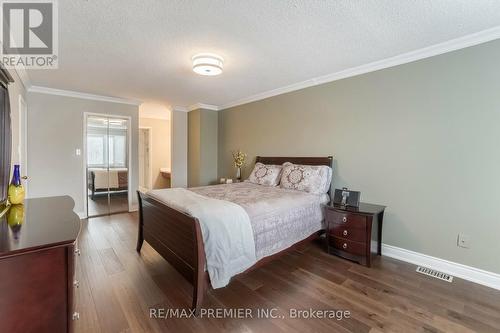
(133, 208)
(468, 273)
(81, 215)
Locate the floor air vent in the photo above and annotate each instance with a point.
(435, 274)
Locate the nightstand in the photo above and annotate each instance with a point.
(349, 230)
(233, 181)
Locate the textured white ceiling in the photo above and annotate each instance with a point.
(142, 49)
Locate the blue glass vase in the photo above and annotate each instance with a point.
(16, 189)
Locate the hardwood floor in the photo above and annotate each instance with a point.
(118, 287)
(99, 205)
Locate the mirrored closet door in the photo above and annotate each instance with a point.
(107, 165)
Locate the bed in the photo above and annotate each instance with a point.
(281, 219)
(104, 180)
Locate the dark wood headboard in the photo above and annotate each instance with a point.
(328, 160)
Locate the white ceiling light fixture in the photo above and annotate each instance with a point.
(207, 64)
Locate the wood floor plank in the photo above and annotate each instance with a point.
(119, 287)
(110, 261)
(84, 303)
(136, 314)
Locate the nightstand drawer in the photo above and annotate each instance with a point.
(341, 230)
(349, 220)
(348, 246)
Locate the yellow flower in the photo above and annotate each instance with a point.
(239, 158)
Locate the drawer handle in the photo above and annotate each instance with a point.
(77, 252)
(344, 246)
(75, 316)
(344, 233)
(76, 283)
(344, 219)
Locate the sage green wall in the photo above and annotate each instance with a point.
(202, 147)
(208, 153)
(179, 148)
(194, 147)
(422, 138)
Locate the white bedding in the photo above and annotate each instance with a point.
(226, 230)
(269, 219)
(105, 178)
(279, 217)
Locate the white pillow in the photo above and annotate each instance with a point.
(265, 174)
(314, 179)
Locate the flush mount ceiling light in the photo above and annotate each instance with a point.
(207, 64)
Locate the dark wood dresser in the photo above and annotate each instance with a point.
(349, 230)
(37, 265)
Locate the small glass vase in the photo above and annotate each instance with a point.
(16, 189)
(238, 173)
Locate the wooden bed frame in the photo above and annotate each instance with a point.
(177, 237)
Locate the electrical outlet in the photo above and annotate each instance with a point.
(463, 240)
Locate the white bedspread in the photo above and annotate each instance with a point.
(226, 230)
(279, 217)
(105, 178)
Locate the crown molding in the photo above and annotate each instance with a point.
(180, 108)
(203, 106)
(426, 52)
(77, 94)
(196, 107)
(23, 76)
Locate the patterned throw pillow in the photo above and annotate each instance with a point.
(265, 174)
(308, 178)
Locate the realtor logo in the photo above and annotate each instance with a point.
(29, 34)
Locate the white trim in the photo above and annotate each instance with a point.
(180, 108)
(150, 155)
(76, 94)
(426, 52)
(131, 207)
(81, 215)
(23, 138)
(23, 76)
(465, 272)
(203, 106)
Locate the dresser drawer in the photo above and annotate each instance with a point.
(348, 246)
(349, 220)
(341, 230)
(73, 283)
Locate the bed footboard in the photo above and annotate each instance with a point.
(177, 238)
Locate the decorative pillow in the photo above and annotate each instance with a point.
(308, 178)
(265, 174)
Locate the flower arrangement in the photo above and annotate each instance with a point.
(239, 161)
(239, 158)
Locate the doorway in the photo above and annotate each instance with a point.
(107, 145)
(145, 159)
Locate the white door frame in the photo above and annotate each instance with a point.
(84, 155)
(150, 155)
(23, 139)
